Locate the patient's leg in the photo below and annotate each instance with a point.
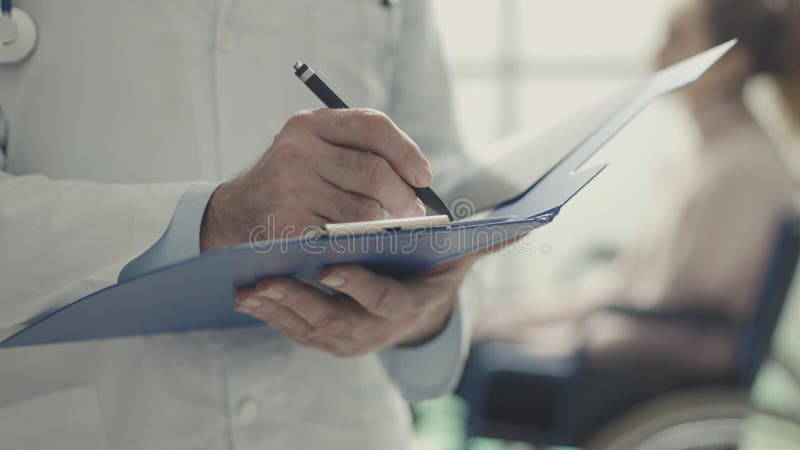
(614, 340)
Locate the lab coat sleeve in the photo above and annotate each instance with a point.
(182, 238)
(64, 239)
(421, 105)
(434, 368)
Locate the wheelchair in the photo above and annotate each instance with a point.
(564, 401)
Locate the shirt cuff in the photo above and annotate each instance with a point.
(181, 240)
(431, 369)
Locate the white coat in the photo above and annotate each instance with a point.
(122, 106)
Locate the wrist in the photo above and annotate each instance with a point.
(212, 224)
(433, 323)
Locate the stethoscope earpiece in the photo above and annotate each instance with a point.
(17, 34)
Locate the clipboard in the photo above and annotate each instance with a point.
(198, 293)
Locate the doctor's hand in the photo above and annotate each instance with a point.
(373, 312)
(325, 166)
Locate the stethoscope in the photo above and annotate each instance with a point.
(17, 34)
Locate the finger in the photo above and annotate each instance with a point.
(370, 176)
(323, 312)
(336, 205)
(243, 294)
(372, 131)
(378, 294)
(279, 317)
(345, 206)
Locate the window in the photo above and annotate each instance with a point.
(525, 64)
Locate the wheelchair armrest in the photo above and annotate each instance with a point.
(688, 317)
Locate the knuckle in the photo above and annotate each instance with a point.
(364, 122)
(351, 160)
(288, 149)
(370, 210)
(365, 210)
(268, 308)
(276, 141)
(382, 304)
(373, 122)
(329, 324)
(300, 120)
(357, 209)
(342, 203)
(377, 171)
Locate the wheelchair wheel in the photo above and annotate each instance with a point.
(695, 419)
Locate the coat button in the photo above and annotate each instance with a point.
(247, 412)
(226, 40)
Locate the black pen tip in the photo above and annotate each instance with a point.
(299, 68)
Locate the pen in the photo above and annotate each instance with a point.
(331, 99)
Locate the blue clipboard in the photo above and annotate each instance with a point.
(198, 293)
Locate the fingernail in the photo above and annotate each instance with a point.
(251, 303)
(423, 177)
(273, 293)
(333, 279)
(387, 215)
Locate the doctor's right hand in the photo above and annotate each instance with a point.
(325, 166)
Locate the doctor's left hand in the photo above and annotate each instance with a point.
(374, 311)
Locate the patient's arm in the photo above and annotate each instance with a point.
(505, 321)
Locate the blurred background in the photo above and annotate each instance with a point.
(522, 65)
(526, 64)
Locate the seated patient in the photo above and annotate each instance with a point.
(715, 225)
